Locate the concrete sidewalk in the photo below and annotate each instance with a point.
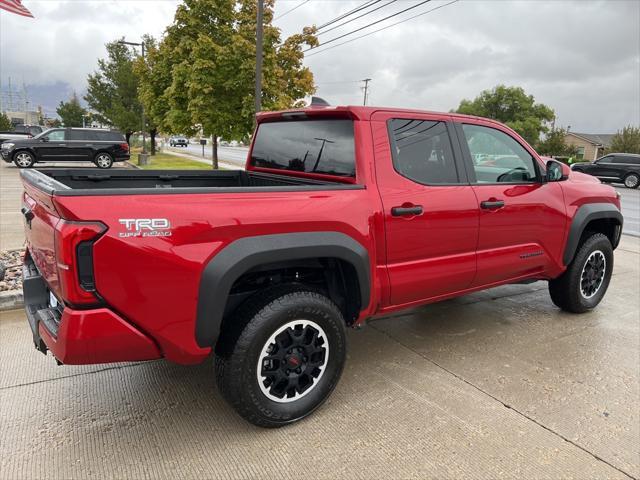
(498, 384)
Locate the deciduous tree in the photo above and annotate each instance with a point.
(512, 106)
(113, 90)
(626, 140)
(209, 54)
(554, 144)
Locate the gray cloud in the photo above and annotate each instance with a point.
(582, 58)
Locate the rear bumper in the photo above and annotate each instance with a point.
(80, 337)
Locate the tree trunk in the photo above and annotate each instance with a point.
(152, 135)
(127, 135)
(214, 151)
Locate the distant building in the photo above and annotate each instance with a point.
(31, 117)
(590, 145)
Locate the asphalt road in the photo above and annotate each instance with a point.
(498, 384)
(630, 201)
(234, 155)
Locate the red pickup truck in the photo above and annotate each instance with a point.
(342, 214)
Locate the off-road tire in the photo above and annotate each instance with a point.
(566, 292)
(242, 344)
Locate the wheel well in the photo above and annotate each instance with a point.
(23, 149)
(102, 151)
(333, 277)
(607, 226)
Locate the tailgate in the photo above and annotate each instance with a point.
(40, 219)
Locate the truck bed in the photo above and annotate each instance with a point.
(77, 182)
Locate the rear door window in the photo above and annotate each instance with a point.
(311, 146)
(422, 152)
(79, 135)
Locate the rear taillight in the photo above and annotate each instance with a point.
(74, 257)
(125, 147)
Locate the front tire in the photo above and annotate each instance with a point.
(632, 180)
(103, 160)
(583, 285)
(286, 359)
(24, 159)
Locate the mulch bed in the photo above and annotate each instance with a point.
(11, 262)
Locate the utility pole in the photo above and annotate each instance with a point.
(259, 30)
(366, 89)
(144, 118)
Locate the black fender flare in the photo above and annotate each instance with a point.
(243, 254)
(585, 214)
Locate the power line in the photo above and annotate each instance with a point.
(371, 24)
(291, 10)
(366, 4)
(359, 16)
(383, 28)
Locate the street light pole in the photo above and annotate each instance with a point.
(259, 29)
(144, 118)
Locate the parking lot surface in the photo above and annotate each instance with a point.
(498, 384)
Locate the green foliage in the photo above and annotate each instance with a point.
(201, 76)
(71, 112)
(626, 140)
(512, 106)
(554, 144)
(5, 122)
(113, 90)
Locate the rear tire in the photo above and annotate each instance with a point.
(23, 159)
(284, 358)
(632, 180)
(583, 285)
(103, 160)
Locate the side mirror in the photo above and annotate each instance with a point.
(44, 139)
(557, 171)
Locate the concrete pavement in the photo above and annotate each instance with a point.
(498, 384)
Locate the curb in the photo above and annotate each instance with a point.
(133, 165)
(11, 300)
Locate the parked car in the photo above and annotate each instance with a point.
(178, 141)
(614, 167)
(102, 147)
(343, 214)
(32, 130)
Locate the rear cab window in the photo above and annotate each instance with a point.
(310, 146)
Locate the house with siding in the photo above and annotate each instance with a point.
(590, 145)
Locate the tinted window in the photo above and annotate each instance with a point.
(422, 151)
(55, 135)
(497, 157)
(605, 160)
(626, 160)
(313, 146)
(77, 135)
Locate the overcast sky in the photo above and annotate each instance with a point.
(580, 58)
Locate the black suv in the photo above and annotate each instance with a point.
(614, 167)
(102, 147)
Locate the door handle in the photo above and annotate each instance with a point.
(402, 211)
(492, 204)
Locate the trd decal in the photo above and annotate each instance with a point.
(145, 227)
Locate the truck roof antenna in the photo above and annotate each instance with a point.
(319, 102)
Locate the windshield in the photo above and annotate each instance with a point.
(311, 146)
(41, 134)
